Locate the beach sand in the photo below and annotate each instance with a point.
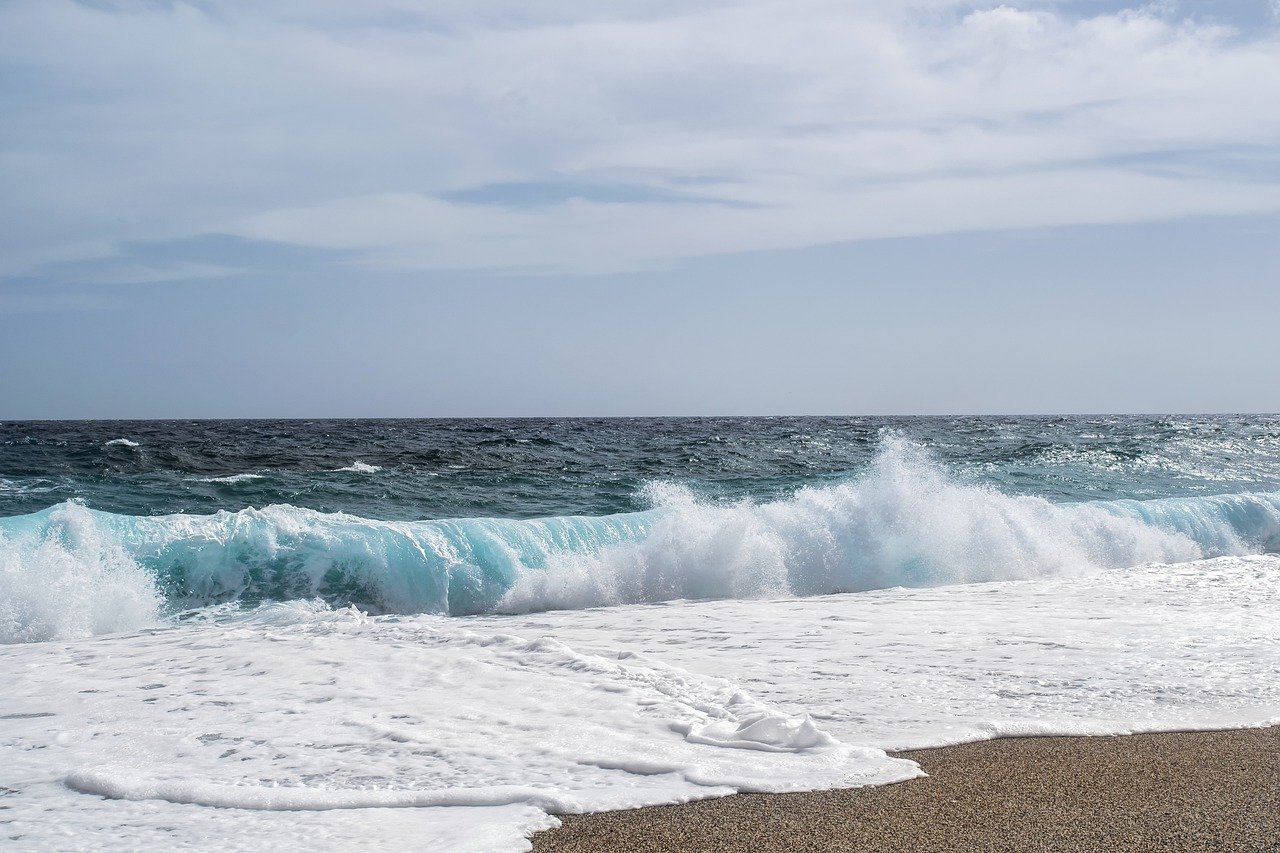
(1154, 792)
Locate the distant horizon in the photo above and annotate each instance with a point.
(266, 418)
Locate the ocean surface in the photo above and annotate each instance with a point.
(439, 632)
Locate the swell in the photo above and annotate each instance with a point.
(71, 571)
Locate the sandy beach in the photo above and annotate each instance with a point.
(1185, 791)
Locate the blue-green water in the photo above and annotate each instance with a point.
(466, 516)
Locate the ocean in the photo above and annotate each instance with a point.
(439, 633)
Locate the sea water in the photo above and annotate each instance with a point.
(441, 633)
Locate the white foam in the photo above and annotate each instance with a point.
(1148, 648)
(231, 478)
(768, 732)
(121, 442)
(906, 522)
(359, 467)
(124, 786)
(236, 730)
(70, 579)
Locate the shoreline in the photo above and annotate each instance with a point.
(1183, 791)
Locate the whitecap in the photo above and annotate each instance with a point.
(233, 478)
(902, 523)
(71, 578)
(359, 467)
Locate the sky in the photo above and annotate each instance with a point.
(393, 208)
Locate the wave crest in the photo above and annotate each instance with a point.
(70, 571)
(68, 577)
(903, 523)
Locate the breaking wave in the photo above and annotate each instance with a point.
(359, 467)
(231, 479)
(71, 571)
(62, 576)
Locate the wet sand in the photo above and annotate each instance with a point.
(1183, 791)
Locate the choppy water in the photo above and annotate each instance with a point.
(431, 469)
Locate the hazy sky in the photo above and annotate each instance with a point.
(398, 208)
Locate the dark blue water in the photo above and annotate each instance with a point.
(533, 468)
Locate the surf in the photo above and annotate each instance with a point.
(70, 570)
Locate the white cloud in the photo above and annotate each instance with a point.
(341, 126)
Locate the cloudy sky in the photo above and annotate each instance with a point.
(399, 207)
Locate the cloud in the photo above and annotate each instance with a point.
(588, 137)
(181, 260)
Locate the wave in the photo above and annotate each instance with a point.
(61, 577)
(121, 442)
(904, 522)
(231, 478)
(359, 467)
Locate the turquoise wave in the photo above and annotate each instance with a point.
(904, 523)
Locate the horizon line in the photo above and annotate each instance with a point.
(300, 418)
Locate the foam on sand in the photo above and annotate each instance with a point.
(254, 726)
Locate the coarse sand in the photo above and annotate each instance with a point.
(1179, 791)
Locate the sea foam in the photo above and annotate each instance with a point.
(68, 577)
(359, 467)
(903, 523)
(428, 732)
(231, 479)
